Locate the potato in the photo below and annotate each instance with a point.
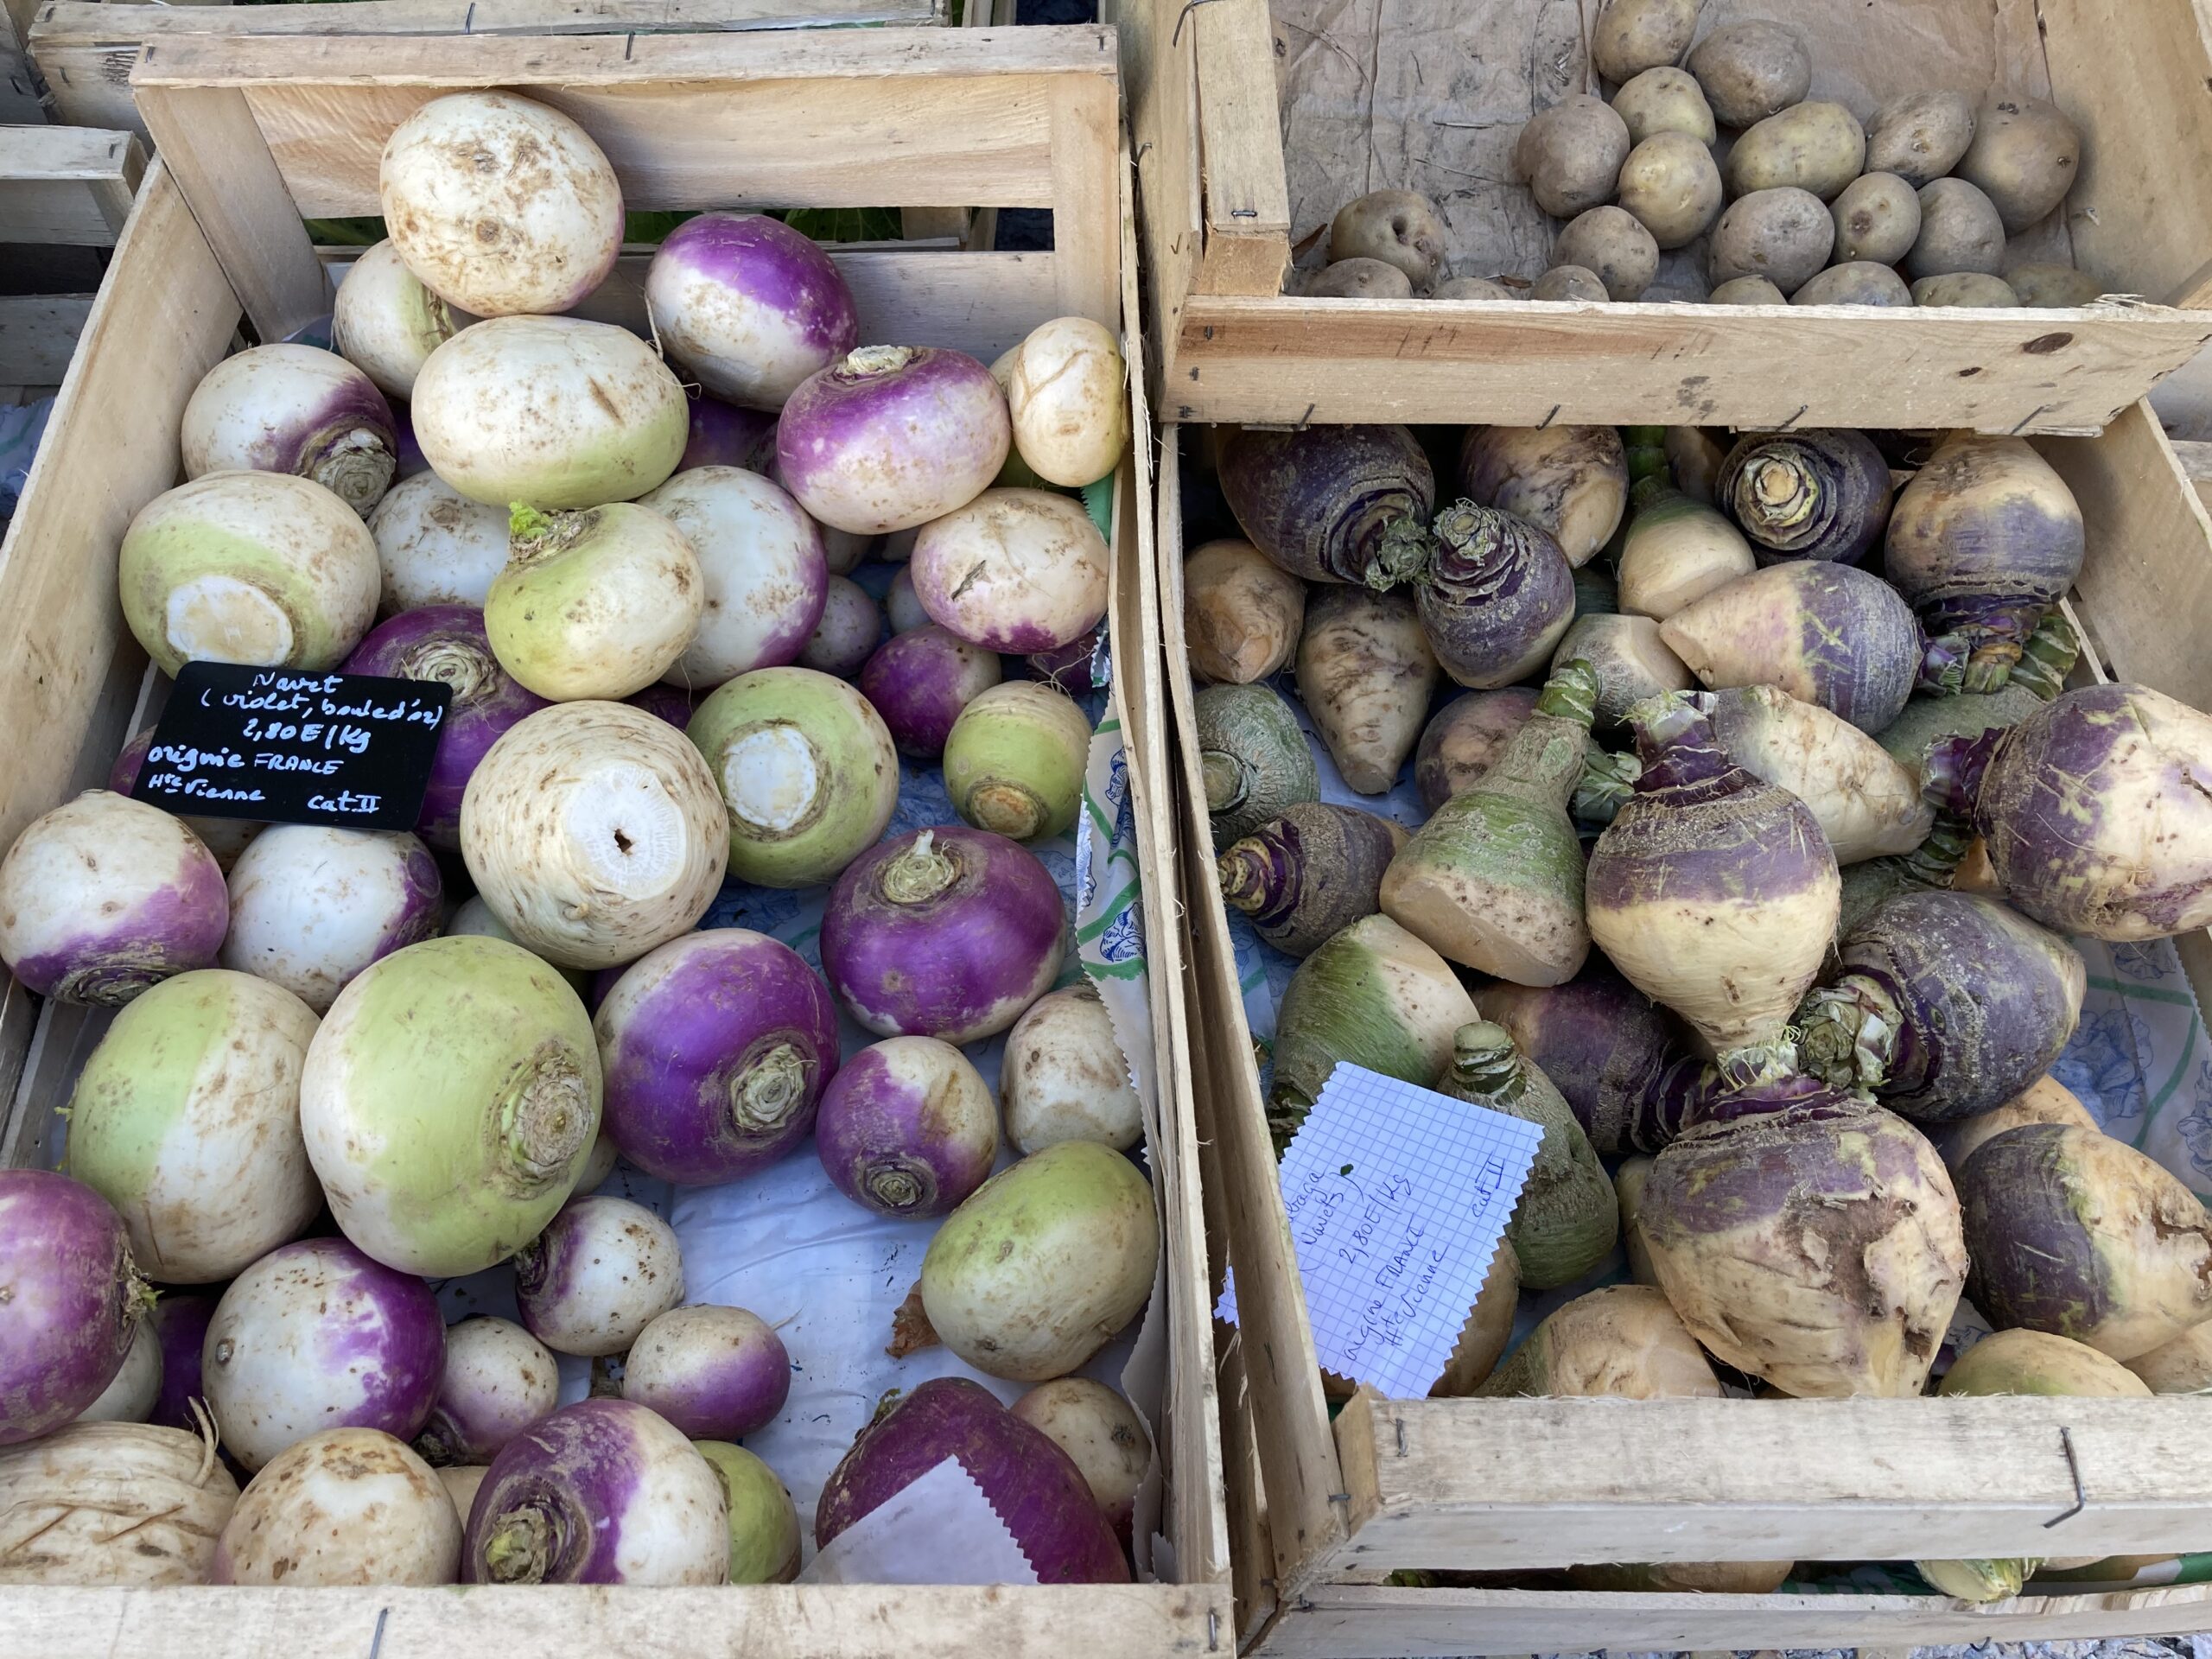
(1747, 290)
(1964, 288)
(1751, 71)
(1471, 288)
(2039, 283)
(1571, 154)
(1568, 283)
(1399, 227)
(1613, 244)
(1860, 282)
(1670, 184)
(2023, 157)
(1782, 235)
(1633, 36)
(1359, 279)
(1665, 99)
(1959, 230)
(1920, 137)
(1877, 218)
(1815, 147)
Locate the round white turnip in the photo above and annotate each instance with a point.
(344, 1506)
(311, 906)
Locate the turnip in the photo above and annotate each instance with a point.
(1946, 1005)
(597, 604)
(1826, 633)
(1712, 892)
(715, 1048)
(901, 606)
(601, 1271)
(311, 906)
(907, 1127)
(1014, 760)
(256, 567)
(748, 307)
(1616, 1055)
(1622, 1342)
(105, 896)
(806, 770)
(498, 1380)
(1373, 995)
(919, 681)
(385, 322)
(1069, 400)
(1808, 1238)
(472, 917)
(715, 1373)
(412, 464)
(723, 435)
(1031, 1485)
(179, 1322)
(296, 410)
(845, 637)
(1494, 879)
(1332, 502)
(1569, 481)
(892, 437)
(1315, 869)
(187, 1119)
(600, 1492)
(946, 932)
(1365, 672)
(1628, 1191)
(761, 559)
(1081, 666)
(224, 837)
(1252, 757)
(434, 546)
(1677, 550)
(1241, 612)
(133, 1392)
(599, 1162)
(555, 411)
(1101, 1432)
(1866, 803)
(1015, 570)
(2073, 1232)
(764, 1543)
(112, 1506)
(2044, 1100)
(1567, 1218)
(2182, 1366)
(1630, 660)
(593, 831)
(447, 644)
(499, 204)
(1495, 597)
(1065, 1076)
(316, 1336)
(669, 704)
(448, 1102)
(461, 1481)
(1487, 1333)
(344, 1506)
(1821, 494)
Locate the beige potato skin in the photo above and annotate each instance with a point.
(1751, 71)
(1612, 243)
(1399, 227)
(1670, 182)
(1359, 279)
(1817, 147)
(1665, 99)
(1571, 154)
(1470, 288)
(1877, 219)
(1860, 283)
(1783, 235)
(2024, 157)
(1633, 36)
(1747, 290)
(1920, 137)
(1964, 288)
(1959, 230)
(1568, 284)
(2043, 284)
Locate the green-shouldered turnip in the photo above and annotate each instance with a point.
(1255, 760)
(1620, 1060)
(597, 604)
(2044, 1100)
(1807, 495)
(1365, 672)
(1309, 872)
(1241, 612)
(293, 409)
(1495, 595)
(1677, 549)
(1623, 1341)
(1014, 759)
(1570, 481)
(1866, 803)
(1332, 502)
(763, 1539)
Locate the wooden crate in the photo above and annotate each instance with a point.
(253, 133)
(2136, 76)
(63, 190)
(1331, 1509)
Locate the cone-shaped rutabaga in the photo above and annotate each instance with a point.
(1807, 495)
(1825, 633)
(1365, 672)
(1255, 760)
(1331, 503)
(1304, 875)
(1677, 550)
(1808, 1238)
(1619, 1057)
(1946, 1005)
(1494, 880)
(1867, 803)
(1495, 595)
(1713, 892)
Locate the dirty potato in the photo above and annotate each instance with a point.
(1568, 283)
(1670, 184)
(1665, 99)
(1612, 244)
(1877, 218)
(1633, 36)
(2024, 157)
(1859, 281)
(1815, 147)
(1964, 288)
(1399, 227)
(1920, 137)
(1358, 279)
(1783, 235)
(1959, 230)
(1751, 71)
(1571, 154)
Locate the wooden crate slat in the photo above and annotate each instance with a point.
(71, 185)
(1247, 199)
(38, 332)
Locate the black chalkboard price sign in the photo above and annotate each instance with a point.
(284, 746)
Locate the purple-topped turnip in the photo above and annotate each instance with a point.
(1014, 570)
(715, 1047)
(447, 644)
(920, 681)
(1617, 1057)
(723, 435)
(74, 1300)
(601, 1271)
(180, 1321)
(311, 906)
(946, 932)
(224, 837)
(845, 637)
(764, 1542)
(761, 557)
(716, 1373)
(293, 409)
(1495, 594)
(1332, 502)
(1084, 664)
(1826, 633)
(664, 702)
(497, 1380)
(748, 307)
(1821, 494)
(907, 1127)
(105, 896)
(434, 546)
(346, 1506)
(386, 323)
(892, 437)
(317, 1336)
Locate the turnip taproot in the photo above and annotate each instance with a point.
(1569, 481)
(497, 1380)
(1825, 633)
(1866, 804)
(907, 1127)
(1820, 495)
(74, 1303)
(748, 307)
(1495, 595)
(1014, 760)
(1253, 759)
(1365, 673)
(1242, 611)
(1304, 875)
(1331, 503)
(602, 1271)
(346, 1506)
(293, 409)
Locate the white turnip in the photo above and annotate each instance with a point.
(766, 578)
(344, 1506)
(1065, 1076)
(1068, 396)
(601, 1271)
(112, 1506)
(434, 546)
(386, 323)
(311, 906)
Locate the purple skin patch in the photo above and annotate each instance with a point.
(170, 931)
(723, 434)
(1492, 591)
(379, 1324)
(410, 452)
(838, 420)
(574, 1475)
(1607, 1049)
(670, 703)
(354, 404)
(1859, 642)
(180, 1324)
(778, 267)
(1069, 667)
(730, 1376)
(898, 1147)
(716, 1048)
(919, 681)
(1318, 500)
(2031, 1262)
(69, 1302)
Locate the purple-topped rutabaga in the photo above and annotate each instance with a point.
(224, 837)
(749, 306)
(314, 1336)
(312, 906)
(715, 1047)
(1495, 595)
(946, 932)
(105, 896)
(907, 1127)
(447, 644)
(723, 435)
(1619, 1059)
(600, 1492)
(497, 1380)
(297, 410)
(601, 1271)
(181, 1321)
(715, 1373)
(892, 436)
(1821, 494)
(72, 1303)
(1331, 503)
(920, 681)
(1034, 1486)
(845, 637)
(1826, 633)
(1302, 876)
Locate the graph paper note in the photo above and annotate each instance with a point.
(1397, 1198)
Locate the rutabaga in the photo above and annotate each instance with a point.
(1488, 1331)
(594, 833)
(1375, 996)
(1712, 892)
(1365, 672)
(1495, 595)
(1014, 570)
(763, 1521)
(919, 681)
(386, 323)
(1465, 737)
(601, 1271)
(1101, 1432)
(765, 577)
(1630, 660)
(2046, 659)
(1302, 876)
(497, 1380)
(596, 603)
(1241, 612)
(112, 1506)
(344, 1506)
(312, 906)
(2182, 1366)
(434, 546)
(1822, 495)
(1866, 804)
(716, 1373)
(448, 1102)
(255, 568)
(806, 769)
(1014, 759)
(1826, 633)
(1617, 1057)
(907, 1127)
(845, 637)
(2044, 1100)
(889, 438)
(748, 307)
(1064, 1076)
(1677, 550)
(73, 1302)
(1622, 1342)
(1331, 503)
(187, 1119)
(1494, 879)
(1253, 759)
(1067, 391)
(1627, 1191)
(296, 410)
(1569, 481)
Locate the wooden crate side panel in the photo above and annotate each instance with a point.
(70, 186)
(1160, 78)
(38, 336)
(1240, 151)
